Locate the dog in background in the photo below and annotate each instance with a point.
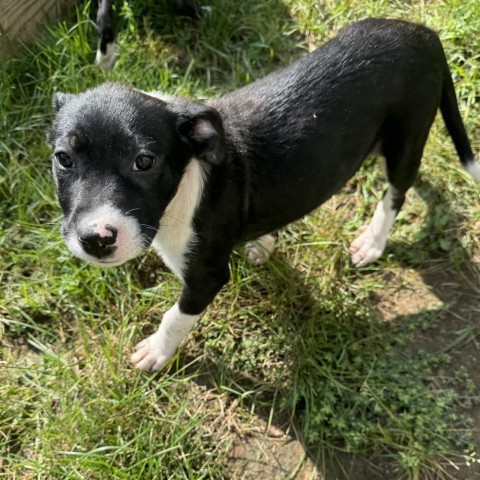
(134, 169)
(107, 50)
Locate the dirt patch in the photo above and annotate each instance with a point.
(269, 453)
(256, 449)
(406, 294)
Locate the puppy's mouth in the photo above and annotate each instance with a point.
(104, 263)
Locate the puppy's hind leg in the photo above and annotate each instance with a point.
(403, 156)
(370, 245)
(258, 251)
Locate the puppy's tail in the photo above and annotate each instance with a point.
(456, 128)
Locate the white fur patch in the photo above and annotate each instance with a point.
(370, 245)
(473, 168)
(107, 61)
(155, 351)
(129, 241)
(258, 251)
(175, 235)
(160, 95)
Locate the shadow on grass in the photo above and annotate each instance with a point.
(450, 274)
(438, 255)
(445, 266)
(285, 401)
(338, 350)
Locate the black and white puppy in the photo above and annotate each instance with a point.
(135, 169)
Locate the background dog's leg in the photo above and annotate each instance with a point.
(201, 285)
(258, 251)
(107, 50)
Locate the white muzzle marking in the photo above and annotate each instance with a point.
(129, 242)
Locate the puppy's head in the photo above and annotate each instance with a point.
(118, 157)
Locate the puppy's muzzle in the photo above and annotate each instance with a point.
(99, 242)
(105, 236)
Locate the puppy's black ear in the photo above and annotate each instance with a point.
(60, 99)
(202, 129)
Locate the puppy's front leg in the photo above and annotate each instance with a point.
(155, 351)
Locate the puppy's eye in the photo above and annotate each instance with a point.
(144, 162)
(64, 160)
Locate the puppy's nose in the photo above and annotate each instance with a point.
(97, 242)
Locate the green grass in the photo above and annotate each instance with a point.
(304, 338)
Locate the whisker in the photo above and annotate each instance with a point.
(147, 238)
(131, 210)
(176, 219)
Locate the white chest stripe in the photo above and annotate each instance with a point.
(176, 235)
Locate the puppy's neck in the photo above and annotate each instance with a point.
(176, 235)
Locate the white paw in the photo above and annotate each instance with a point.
(106, 61)
(156, 350)
(366, 248)
(150, 355)
(258, 252)
(473, 168)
